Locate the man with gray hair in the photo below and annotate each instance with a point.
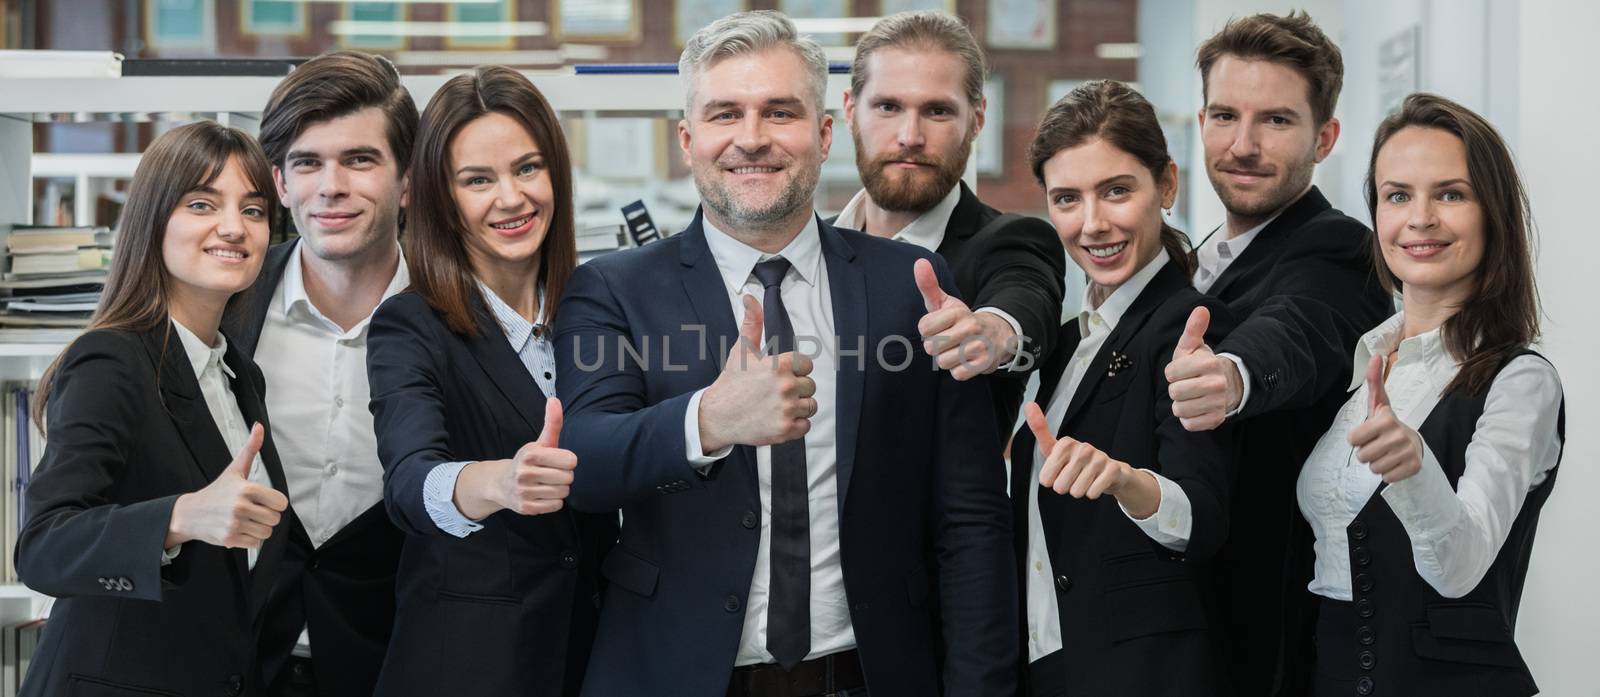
(789, 511)
(914, 107)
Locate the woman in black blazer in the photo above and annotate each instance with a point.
(1425, 492)
(1118, 508)
(498, 590)
(153, 514)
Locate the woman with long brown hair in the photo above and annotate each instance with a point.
(1425, 493)
(1119, 508)
(499, 583)
(153, 513)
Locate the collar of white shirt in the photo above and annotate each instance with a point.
(1427, 347)
(517, 328)
(200, 355)
(1117, 304)
(927, 231)
(296, 304)
(737, 260)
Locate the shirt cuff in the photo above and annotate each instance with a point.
(1244, 378)
(1426, 504)
(438, 496)
(167, 555)
(691, 437)
(1173, 520)
(1016, 330)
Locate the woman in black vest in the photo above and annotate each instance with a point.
(1425, 493)
(1118, 507)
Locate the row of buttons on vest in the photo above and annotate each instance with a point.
(1365, 634)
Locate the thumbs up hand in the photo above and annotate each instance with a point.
(758, 399)
(1389, 447)
(1203, 386)
(231, 511)
(1078, 469)
(966, 343)
(534, 481)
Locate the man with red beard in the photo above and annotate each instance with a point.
(914, 107)
(1298, 274)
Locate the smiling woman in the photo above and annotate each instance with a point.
(156, 501)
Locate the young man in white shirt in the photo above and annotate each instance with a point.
(338, 131)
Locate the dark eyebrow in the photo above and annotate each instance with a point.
(1458, 181)
(474, 168)
(1098, 185)
(531, 155)
(367, 150)
(210, 190)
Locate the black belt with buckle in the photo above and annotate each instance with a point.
(819, 677)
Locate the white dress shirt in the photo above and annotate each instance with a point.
(538, 356)
(927, 232)
(213, 376)
(1455, 533)
(1214, 256)
(318, 394)
(1171, 524)
(809, 304)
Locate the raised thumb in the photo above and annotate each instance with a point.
(750, 329)
(1376, 396)
(928, 284)
(1194, 332)
(240, 467)
(1040, 428)
(550, 435)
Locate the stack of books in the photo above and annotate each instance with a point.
(55, 277)
(21, 447)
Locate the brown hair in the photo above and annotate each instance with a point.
(1112, 111)
(334, 85)
(1293, 40)
(1501, 315)
(179, 161)
(436, 251)
(925, 29)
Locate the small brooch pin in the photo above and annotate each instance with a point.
(1119, 362)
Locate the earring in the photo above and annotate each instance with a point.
(1167, 211)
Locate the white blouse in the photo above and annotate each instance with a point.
(1455, 533)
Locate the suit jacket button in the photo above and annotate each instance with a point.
(568, 558)
(731, 604)
(235, 686)
(1367, 660)
(1366, 636)
(1364, 583)
(1063, 583)
(749, 521)
(1364, 608)
(1364, 685)
(1358, 530)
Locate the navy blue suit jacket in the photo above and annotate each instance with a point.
(511, 608)
(921, 485)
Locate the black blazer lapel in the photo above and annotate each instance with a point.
(192, 419)
(1271, 237)
(708, 296)
(505, 370)
(1166, 281)
(1050, 373)
(247, 310)
(848, 285)
(965, 221)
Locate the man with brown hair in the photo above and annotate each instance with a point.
(914, 107)
(1298, 273)
(338, 131)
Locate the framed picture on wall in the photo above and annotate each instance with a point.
(990, 146)
(180, 24)
(817, 9)
(484, 15)
(374, 12)
(689, 16)
(272, 17)
(1022, 24)
(600, 21)
(892, 6)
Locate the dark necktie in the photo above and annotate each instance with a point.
(789, 602)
